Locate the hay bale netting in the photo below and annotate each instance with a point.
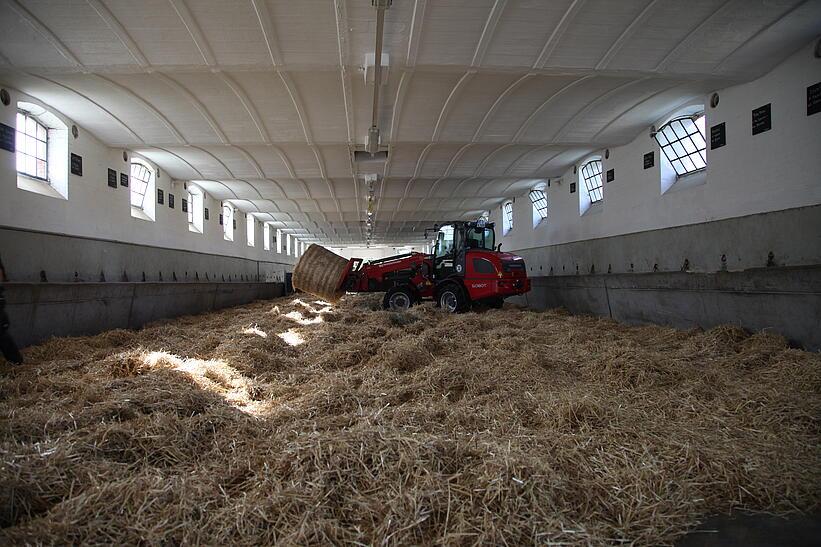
(319, 272)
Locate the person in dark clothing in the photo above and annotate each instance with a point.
(7, 346)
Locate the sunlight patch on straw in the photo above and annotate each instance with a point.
(255, 330)
(292, 337)
(215, 376)
(302, 320)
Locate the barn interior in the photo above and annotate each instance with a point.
(410, 271)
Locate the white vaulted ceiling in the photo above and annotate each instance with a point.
(265, 100)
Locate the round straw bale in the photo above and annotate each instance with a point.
(319, 272)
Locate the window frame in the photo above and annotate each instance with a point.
(135, 180)
(592, 188)
(539, 212)
(227, 222)
(669, 147)
(196, 209)
(507, 217)
(38, 125)
(250, 230)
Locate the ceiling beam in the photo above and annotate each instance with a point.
(527, 123)
(691, 37)
(592, 104)
(415, 34)
(488, 31)
(246, 103)
(626, 34)
(268, 34)
(120, 32)
(558, 31)
(97, 105)
(145, 104)
(198, 106)
(492, 110)
(46, 33)
(194, 31)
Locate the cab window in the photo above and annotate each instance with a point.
(444, 241)
(480, 238)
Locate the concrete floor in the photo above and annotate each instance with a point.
(751, 530)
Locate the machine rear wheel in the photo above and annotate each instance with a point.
(398, 299)
(452, 298)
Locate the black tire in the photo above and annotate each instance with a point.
(452, 298)
(399, 299)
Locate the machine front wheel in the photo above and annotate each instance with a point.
(398, 299)
(452, 298)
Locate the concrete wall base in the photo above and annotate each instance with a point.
(784, 300)
(38, 311)
(28, 255)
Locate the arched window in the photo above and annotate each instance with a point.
(507, 217)
(227, 222)
(143, 186)
(196, 209)
(591, 177)
(538, 198)
(683, 143)
(41, 146)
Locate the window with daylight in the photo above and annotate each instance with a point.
(142, 188)
(32, 147)
(278, 241)
(507, 217)
(266, 236)
(196, 209)
(683, 143)
(227, 222)
(591, 176)
(538, 198)
(250, 230)
(41, 146)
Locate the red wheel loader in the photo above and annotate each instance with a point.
(465, 268)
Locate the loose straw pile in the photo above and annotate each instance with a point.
(297, 422)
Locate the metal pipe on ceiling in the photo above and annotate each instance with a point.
(373, 134)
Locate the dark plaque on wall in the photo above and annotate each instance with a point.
(160, 196)
(184, 205)
(7, 137)
(718, 136)
(649, 160)
(814, 99)
(124, 180)
(762, 119)
(221, 219)
(112, 178)
(206, 213)
(170, 200)
(572, 187)
(77, 165)
(235, 224)
(611, 175)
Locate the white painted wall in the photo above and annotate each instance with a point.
(95, 210)
(372, 253)
(776, 170)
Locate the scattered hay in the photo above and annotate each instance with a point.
(506, 426)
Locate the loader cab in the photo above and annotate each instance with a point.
(454, 240)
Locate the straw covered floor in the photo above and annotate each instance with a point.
(293, 421)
